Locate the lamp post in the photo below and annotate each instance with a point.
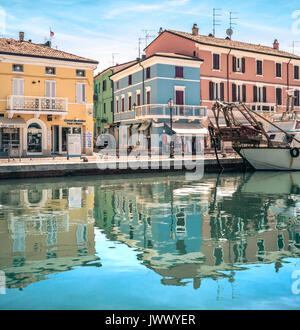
(170, 104)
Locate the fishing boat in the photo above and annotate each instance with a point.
(264, 144)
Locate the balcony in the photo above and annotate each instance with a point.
(162, 111)
(263, 107)
(36, 105)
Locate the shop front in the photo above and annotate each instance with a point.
(11, 136)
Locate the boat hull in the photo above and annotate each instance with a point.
(275, 159)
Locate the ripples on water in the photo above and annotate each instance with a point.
(182, 231)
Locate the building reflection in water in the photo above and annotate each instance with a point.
(44, 230)
(189, 231)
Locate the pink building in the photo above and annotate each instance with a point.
(232, 71)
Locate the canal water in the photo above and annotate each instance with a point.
(151, 242)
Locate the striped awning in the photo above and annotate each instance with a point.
(144, 126)
(12, 122)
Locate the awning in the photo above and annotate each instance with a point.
(12, 122)
(144, 126)
(107, 126)
(135, 126)
(187, 129)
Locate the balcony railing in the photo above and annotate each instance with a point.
(37, 104)
(263, 107)
(163, 111)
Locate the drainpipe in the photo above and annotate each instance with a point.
(288, 86)
(228, 74)
(143, 82)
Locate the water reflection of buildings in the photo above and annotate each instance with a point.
(207, 229)
(44, 229)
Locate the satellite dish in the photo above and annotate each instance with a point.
(229, 32)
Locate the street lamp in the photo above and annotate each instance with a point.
(170, 104)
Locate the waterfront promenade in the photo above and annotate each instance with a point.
(93, 165)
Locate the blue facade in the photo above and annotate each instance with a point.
(156, 80)
(162, 83)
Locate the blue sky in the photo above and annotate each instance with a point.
(98, 28)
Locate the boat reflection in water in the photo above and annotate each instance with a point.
(192, 230)
(44, 228)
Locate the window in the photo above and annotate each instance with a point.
(178, 72)
(259, 67)
(112, 106)
(104, 107)
(138, 99)
(80, 73)
(129, 102)
(238, 64)
(80, 93)
(123, 104)
(296, 99)
(117, 105)
(117, 85)
(259, 94)
(104, 85)
(130, 80)
(296, 72)
(216, 91)
(238, 93)
(216, 62)
(148, 73)
(278, 70)
(51, 71)
(148, 97)
(278, 96)
(18, 68)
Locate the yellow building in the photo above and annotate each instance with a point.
(45, 94)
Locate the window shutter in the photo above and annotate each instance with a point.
(254, 93)
(244, 94)
(243, 64)
(222, 91)
(83, 93)
(278, 96)
(234, 64)
(211, 91)
(233, 92)
(264, 94)
(78, 90)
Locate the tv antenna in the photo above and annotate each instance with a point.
(216, 21)
(293, 45)
(229, 31)
(145, 38)
(113, 58)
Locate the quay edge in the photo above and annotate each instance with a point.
(21, 171)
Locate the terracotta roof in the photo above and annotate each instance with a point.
(227, 43)
(26, 48)
(116, 68)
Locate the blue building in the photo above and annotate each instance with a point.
(159, 94)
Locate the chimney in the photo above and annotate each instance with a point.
(276, 44)
(21, 36)
(195, 30)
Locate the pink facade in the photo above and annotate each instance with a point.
(251, 82)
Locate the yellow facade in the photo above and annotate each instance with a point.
(42, 108)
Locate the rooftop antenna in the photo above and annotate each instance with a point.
(231, 23)
(113, 58)
(216, 21)
(139, 46)
(148, 36)
(293, 45)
